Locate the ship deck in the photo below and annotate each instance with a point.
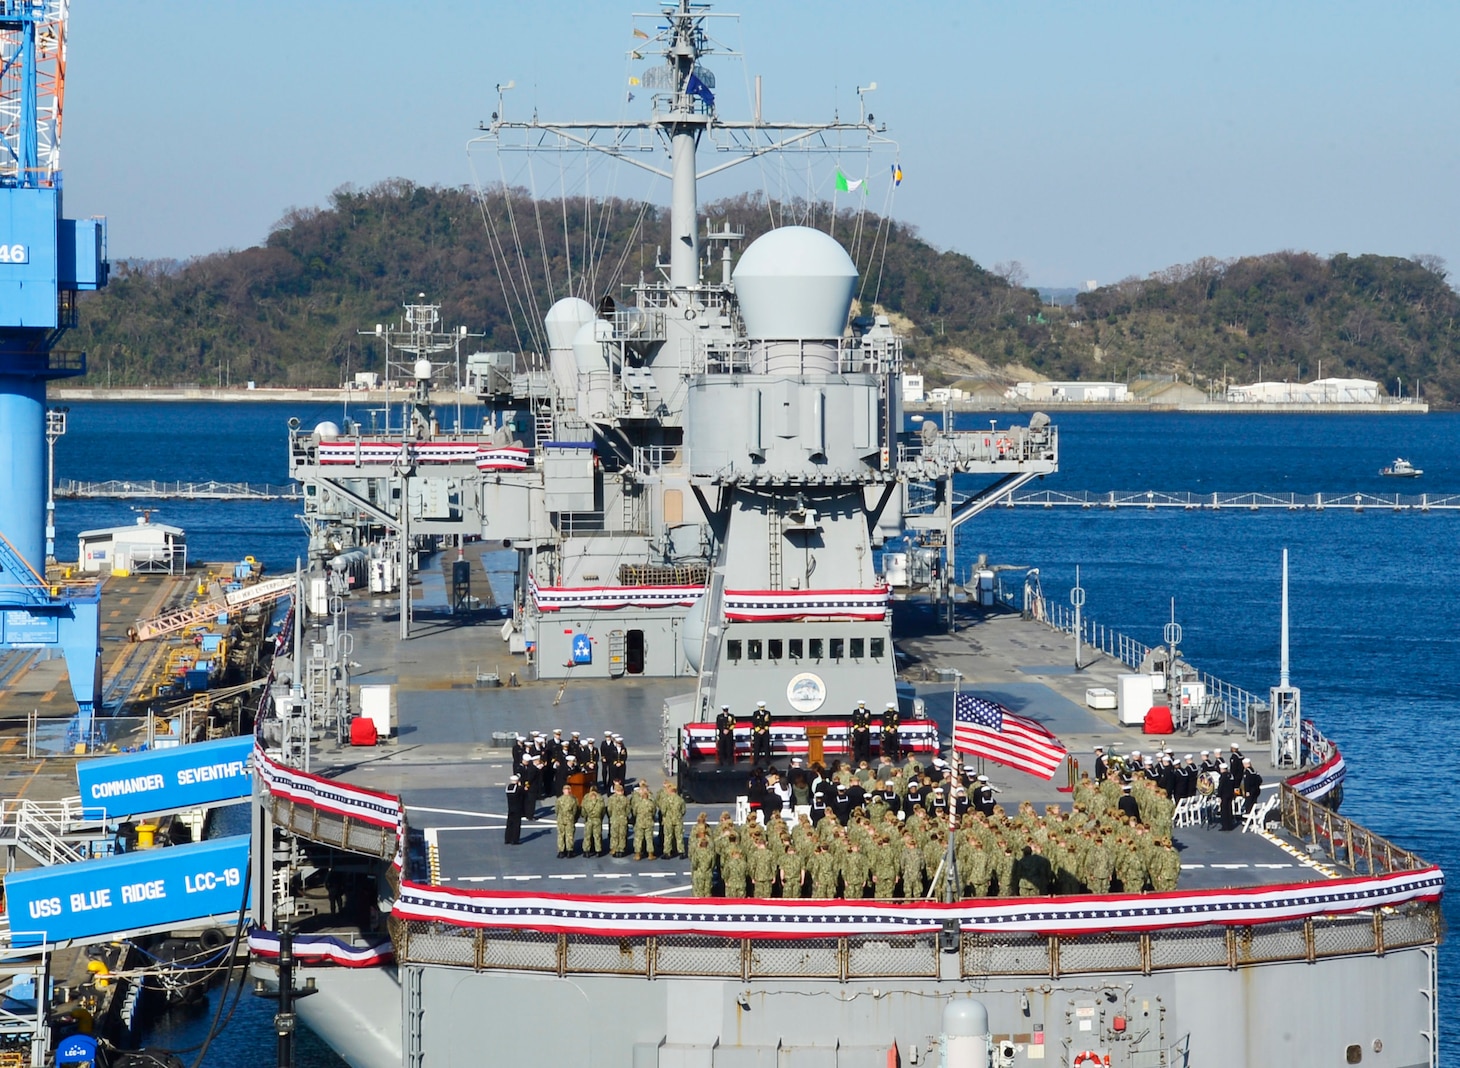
(450, 771)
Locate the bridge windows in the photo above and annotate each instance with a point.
(815, 646)
(754, 648)
(858, 648)
(733, 649)
(879, 646)
(798, 648)
(775, 648)
(838, 647)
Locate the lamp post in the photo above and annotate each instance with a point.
(55, 428)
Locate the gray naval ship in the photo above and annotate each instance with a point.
(704, 495)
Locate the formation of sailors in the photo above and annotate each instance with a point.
(874, 853)
(542, 764)
(1228, 778)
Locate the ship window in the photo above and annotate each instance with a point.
(877, 649)
(815, 646)
(774, 647)
(797, 648)
(859, 648)
(732, 648)
(753, 647)
(838, 645)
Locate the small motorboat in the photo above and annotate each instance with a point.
(1401, 468)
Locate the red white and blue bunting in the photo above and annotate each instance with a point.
(507, 458)
(789, 736)
(322, 949)
(327, 795)
(615, 916)
(760, 605)
(1317, 783)
(573, 598)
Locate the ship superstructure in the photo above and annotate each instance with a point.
(694, 478)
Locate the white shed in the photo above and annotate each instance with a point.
(155, 548)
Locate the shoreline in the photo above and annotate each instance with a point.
(337, 395)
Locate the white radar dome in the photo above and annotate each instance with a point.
(563, 320)
(327, 430)
(795, 284)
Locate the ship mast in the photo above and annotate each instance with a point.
(684, 125)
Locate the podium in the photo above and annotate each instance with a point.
(815, 743)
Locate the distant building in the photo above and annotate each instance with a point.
(142, 547)
(1321, 391)
(1071, 392)
(912, 387)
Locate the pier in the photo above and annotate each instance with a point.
(1214, 502)
(152, 489)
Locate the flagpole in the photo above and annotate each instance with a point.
(951, 883)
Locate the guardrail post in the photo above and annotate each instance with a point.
(844, 959)
(1308, 940)
(1378, 918)
(562, 955)
(1054, 956)
(745, 960)
(1231, 949)
(1145, 944)
(651, 957)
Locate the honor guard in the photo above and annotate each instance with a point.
(861, 733)
(1101, 767)
(760, 732)
(725, 736)
(983, 796)
(891, 747)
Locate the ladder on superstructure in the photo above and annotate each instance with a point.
(773, 558)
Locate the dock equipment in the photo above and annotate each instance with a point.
(45, 262)
(172, 622)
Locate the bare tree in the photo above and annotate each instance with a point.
(1013, 272)
(1434, 264)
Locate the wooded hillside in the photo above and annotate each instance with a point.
(288, 312)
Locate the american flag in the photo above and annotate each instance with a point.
(990, 730)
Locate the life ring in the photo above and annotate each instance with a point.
(1091, 1056)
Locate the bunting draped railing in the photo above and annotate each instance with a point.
(767, 605)
(1394, 878)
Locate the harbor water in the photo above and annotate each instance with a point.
(1375, 612)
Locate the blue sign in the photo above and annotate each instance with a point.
(153, 888)
(582, 649)
(23, 627)
(166, 780)
(78, 1049)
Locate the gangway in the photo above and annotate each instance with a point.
(182, 618)
(53, 832)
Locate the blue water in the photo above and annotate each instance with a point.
(1376, 621)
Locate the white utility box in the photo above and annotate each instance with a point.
(1136, 694)
(375, 706)
(1100, 698)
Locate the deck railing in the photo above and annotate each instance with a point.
(1348, 843)
(914, 956)
(1232, 701)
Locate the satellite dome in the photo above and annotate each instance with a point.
(327, 430)
(795, 284)
(563, 320)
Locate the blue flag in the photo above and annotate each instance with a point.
(695, 87)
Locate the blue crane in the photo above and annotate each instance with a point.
(45, 261)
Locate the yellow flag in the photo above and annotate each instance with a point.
(640, 34)
(633, 81)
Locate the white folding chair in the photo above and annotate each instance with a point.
(742, 809)
(1257, 818)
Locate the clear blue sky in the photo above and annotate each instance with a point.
(1086, 140)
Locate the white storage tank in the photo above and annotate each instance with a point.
(894, 569)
